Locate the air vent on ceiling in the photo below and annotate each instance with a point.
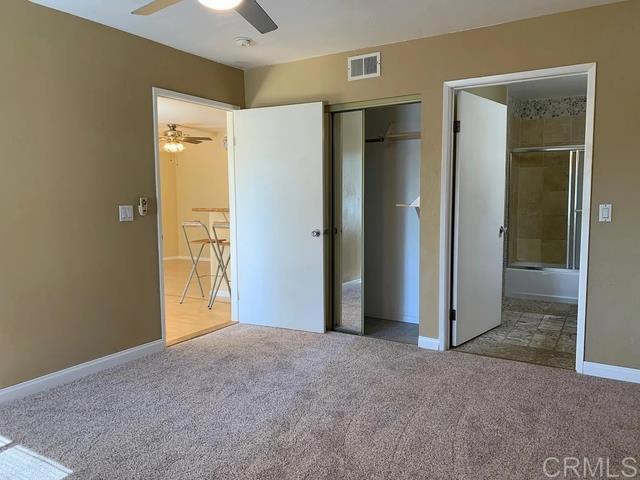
(364, 66)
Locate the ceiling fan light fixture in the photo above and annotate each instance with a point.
(220, 4)
(173, 147)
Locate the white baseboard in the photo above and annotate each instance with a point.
(70, 374)
(611, 371)
(429, 343)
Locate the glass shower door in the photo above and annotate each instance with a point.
(545, 207)
(348, 182)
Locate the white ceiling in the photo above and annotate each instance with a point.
(570, 86)
(190, 115)
(308, 28)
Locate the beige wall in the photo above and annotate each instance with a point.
(200, 179)
(76, 284)
(608, 35)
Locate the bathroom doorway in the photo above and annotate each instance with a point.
(517, 280)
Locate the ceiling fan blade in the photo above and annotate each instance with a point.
(256, 16)
(202, 139)
(191, 140)
(154, 7)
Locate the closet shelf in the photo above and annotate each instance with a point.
(391, 136)
(395, 137)
(414, 204)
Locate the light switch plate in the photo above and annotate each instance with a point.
(605, 213)
(125, 213)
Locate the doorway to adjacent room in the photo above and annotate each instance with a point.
(516, 192)
(193, 193)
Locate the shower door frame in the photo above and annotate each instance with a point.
(576, 155)
(446, 189)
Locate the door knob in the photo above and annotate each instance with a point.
(316, 233)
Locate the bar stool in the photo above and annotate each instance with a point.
(203, 242)
(220, 244)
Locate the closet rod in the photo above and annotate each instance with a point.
(395, 137)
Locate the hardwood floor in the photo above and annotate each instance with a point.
(192, 318)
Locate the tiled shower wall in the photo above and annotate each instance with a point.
(547, 122)
(538, 193)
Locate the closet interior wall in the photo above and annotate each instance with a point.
(391, 232)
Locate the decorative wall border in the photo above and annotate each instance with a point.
(548, 107)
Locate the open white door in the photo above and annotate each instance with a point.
(481, 150)
(279, 216)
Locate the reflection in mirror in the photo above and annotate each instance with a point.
(348, 182)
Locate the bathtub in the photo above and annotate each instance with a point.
(541, 283)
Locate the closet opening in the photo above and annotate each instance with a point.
(376, 221)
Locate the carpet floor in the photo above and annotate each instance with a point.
(249, 402)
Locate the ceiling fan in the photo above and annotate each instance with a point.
(249, 9)
(175, 139)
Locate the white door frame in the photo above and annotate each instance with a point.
(447, 177)
(162, 93)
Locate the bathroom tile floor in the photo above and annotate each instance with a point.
(534, 332)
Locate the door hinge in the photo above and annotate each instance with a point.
(452, 315)
(456, 126)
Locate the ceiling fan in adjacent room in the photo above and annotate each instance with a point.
(175, 139)
(249, 9)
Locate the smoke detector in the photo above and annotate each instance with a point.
(243, 42)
